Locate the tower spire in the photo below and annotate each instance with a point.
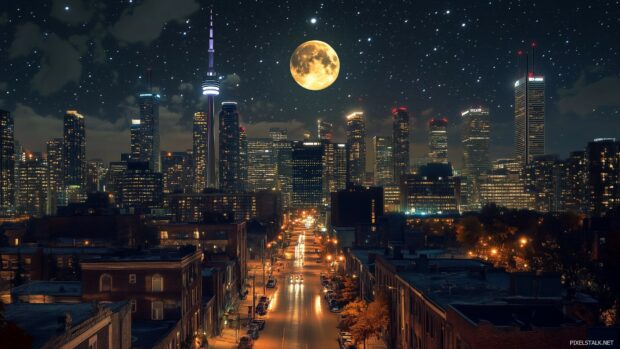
(211, 50)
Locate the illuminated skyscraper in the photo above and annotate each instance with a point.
(149, 130)
(603, 175)
(136, 139)
(175, 175)
(278, 134)
(542, 179)
(438, 140)
(338, 170)
(55, 187)
(74, 155)
(283, 162)
(229, 148)
(211, 88)
(32, 173)
(200, 139)
(325, 130)
(262, 173)
(400, 136)
(7, 164)
(243, 158)
(574, 189)
(308, 176)
(141, 188)
(476, 140)
(384, 163)
(95, 175)
(356, 144)
(529, 117)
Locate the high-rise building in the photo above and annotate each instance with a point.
(603, 175)
(433, 190)
(278, 134)
(141, 187)
(476, 161)
(262, 173)
(200, 139)
(135, 139)
(114, 178)
(335, 167)
(7, 164)
(32, 177)
(384, 162)
(308, 174)
(542, 179)
(74, 155)
(284, 162)
(149, 130)
(574, 189)
(400, 136)
(325, 130)
(504, 186)
(211, 88)
(529, 117)
(175, 174)
(438, 140)
(356, 144)
(95, 175)
(56, 195)
(243, 158)
(229, 147)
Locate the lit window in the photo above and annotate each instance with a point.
(134, 306)
(163, 235)
(157, 310)
(157, 283)
(132, 278)
(105, 283)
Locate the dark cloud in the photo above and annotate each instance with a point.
(144, 23)
(584, 98)
(4, 18)
(60, 64)
(230, 81)
(27, 38)
(71, 11)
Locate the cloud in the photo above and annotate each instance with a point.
(584, 98)
(186, 87)
(144, 23)
(230, 81)
(71, 11)
(4, 18)
(27, 38)
(3, 85)
(60, 65)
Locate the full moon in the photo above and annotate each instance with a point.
(315, 65)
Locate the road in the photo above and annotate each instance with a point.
(298, 317)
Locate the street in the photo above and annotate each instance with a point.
(298, 316)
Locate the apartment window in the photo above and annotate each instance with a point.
(105, 283)
(163, 235)
(157, 283)
(134, 305)
(92, 342)
(132, 278)
(157, 310)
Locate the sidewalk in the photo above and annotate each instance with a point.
(229, 338)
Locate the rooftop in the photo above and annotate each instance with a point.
(145, 334)
(49, 288)
(514, 315)
(154, 254)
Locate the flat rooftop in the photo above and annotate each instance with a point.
(524, 316)
(155, 254)
(145, 334)
(49, 288)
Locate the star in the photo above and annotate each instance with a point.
(313, 20)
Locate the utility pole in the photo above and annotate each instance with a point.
(264, 282)
(253, 295)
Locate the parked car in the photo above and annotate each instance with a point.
(260, 323)
(253, 332)
(264, 299)
(261, 309)
(245, 342)
(271, 283)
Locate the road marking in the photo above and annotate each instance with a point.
(283, 330)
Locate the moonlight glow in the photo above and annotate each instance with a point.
(315, 65)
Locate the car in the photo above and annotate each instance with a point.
(335, 309)
(301, 279)
(261, 309)
(245, 342)
(271, 283)
(253, 332)
(264, 299)
(259, 323)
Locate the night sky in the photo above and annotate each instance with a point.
(436, 57)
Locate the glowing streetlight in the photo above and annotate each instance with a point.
(341, 258)
(493, 251)
(329, 257)
(523, 241)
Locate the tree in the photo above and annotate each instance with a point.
(352, 312)
(469, 231)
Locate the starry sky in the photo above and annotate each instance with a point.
(435, 57)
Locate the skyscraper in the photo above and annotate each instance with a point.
(574, 189)
(438, 140)
(542, 179)
(229, 147)
(603, 162)
(55, 187)
(400, 136)
(356, 143)
(211, 88)
(95, 174)
(7, 164)
(278, 134)
(476, 140)
(384, 163)
(141, 187)
(175, 175)
(308, 174)
(338, 169)
(74, 155)
(200, 139)
(32, 173)
(243, 158)
(283, 162)
(135, 139)
(529, 117)
(262, 173)
(325, 130)
(149, 130)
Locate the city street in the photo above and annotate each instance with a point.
(298, 316)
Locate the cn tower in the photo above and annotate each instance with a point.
(211, 88)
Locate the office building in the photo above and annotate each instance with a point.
(243, 158)
(603, 175)
(140, 187)
(542, 179)
(356, 144)
(384, 161)
(283, 154)
(308, 176)
(149, 130)
(574, 183)
(438, 140)
(400, 136)
(335, 167)
(433, 190)
(56, 195)
(278, 134)
(7, 164)
(175, 172)
(262, 172)
(391, 198)
(200, 137)
(32, 179)
(356, 205)
(229, 147)
(95, 175)
(74, 156)
(476, 140)
(135, 139)
(325, 130)
(529, 117)
(504, 187)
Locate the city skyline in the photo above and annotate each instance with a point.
(574, 81)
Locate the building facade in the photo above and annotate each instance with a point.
(438, 140)
(356, 144)
(400, 136)
(529, 117)
(384, 160)
(308, 176)
(200, 136)
(229, 147)
(7, 164)
(149, 130)
(262, 173)
(74, 154)
(603, 162)
(476, 161)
